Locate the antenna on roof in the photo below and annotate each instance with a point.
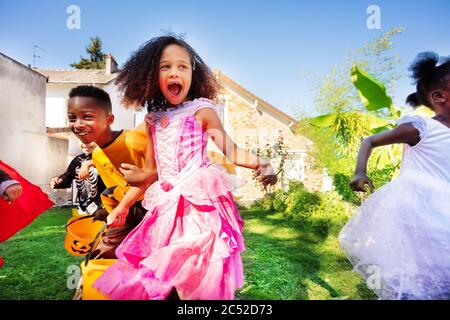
(36, 55)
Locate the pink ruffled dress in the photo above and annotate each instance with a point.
(191, 237)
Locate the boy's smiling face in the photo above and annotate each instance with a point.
(175, 74)
(89, 121)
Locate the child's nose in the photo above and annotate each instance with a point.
(78, 123)
(173, 73)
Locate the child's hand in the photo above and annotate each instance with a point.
(84, 170)
(12, 192)
(135, 176)
(265, 173)
(359, 181)
(55, 181)
(100, 215)
(117, 217)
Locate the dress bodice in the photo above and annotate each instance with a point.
(179, 139)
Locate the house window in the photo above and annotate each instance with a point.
(294, 167)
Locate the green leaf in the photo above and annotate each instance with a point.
(324, 121)
(374, 121)
(385, 157)
(382, 160)
(371, 92)
(382, 129)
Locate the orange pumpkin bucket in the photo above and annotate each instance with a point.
(81, 234)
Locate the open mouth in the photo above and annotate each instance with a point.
(175, 89)
(82, 135)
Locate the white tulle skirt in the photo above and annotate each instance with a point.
(399, 239)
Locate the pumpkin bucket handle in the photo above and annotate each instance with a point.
(91, 249)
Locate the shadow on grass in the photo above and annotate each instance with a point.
(313, 234)
(292, 265)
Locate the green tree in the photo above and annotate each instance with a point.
(346, 121)
(96, 58)
(334, 91)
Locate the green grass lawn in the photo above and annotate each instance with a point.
(283, 260)
(36, 261)
(287, 260)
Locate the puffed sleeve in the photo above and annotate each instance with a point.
(202, 103)
(418, 122)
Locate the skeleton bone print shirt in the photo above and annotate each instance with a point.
(88, 190)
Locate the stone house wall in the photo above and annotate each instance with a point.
(252, 129)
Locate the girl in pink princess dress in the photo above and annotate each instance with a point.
(191, 237)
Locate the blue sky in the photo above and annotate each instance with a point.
(264, 45)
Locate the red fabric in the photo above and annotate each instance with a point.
(25, 209)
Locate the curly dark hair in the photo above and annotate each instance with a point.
(98, 94)
(428, 76)
(138, 80)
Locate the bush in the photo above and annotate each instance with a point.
(301, 202)
(266, 203)
(379, 178)
(332, 213)
(382, 176)
(318, 210)
(295, 185)
(256, 205)
(241, 207)
(276, 201)
(341, 183)
(279, 202)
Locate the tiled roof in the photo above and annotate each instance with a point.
(262, 105)
(98, 76)
(82, 76)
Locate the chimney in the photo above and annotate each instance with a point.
(110, 64)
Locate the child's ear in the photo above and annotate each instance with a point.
(110, 119)
(438, 96)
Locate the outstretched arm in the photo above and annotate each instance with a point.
(243, 158)
(142, 179)
(404, 133)
(65, 180)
